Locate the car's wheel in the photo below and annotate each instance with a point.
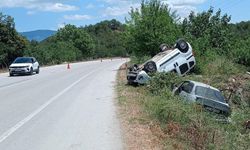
(182, 45)
(38, 70)
(11, 74)
(31, 71)
(150, 67)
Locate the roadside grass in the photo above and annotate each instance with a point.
(195, 128)
(139, 131)
(181, 125)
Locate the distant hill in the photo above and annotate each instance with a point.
(38, 35)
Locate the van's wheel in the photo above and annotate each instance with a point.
(150, 67)
(38, 70)
(11, 74)
(182, 45)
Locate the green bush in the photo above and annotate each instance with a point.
(210, 63)
(168, 108)
(161, 82)
(241, 52)
(139, 60)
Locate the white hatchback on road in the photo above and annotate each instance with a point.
(24, 65)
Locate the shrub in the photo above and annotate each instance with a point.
(160, 82)
(168, 108)
(139, 60)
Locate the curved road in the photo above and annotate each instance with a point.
(61, 109)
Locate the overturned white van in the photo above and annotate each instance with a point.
(179, 59)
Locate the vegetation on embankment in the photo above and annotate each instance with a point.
(165, 121)
(222, 55)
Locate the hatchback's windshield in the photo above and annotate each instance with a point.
(209, 93)
(23, 60)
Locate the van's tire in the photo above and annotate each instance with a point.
(163, 47)
(182, 45)
(11, 74)
(150, 67)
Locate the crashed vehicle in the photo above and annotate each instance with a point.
(179, 59)
(207, 96)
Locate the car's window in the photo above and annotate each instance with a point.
(187, 87)
(23, 60)
(209, 93)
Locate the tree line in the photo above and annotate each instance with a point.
(210, 33)
(69, 44)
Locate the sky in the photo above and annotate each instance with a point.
(32, 15)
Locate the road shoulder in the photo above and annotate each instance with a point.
(138, 130)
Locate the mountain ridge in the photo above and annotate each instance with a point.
(38, 35)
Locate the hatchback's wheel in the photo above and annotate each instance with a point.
(38, 70)
(31, 71)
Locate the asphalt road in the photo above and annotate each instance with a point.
(61, 109)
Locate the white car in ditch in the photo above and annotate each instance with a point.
(179, 59)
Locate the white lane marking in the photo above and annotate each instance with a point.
(9, 132)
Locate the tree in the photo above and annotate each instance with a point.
(56, 52)
(208, 31)
(12, 44)
(240, 42)
(150, 26)
(108, 38)
(79, 37)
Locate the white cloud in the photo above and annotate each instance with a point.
(183, 7)
(77, 17)
(119, 7)
(61, 25)
(122, 7)
(121, 1)
(90, 6)
(184, 11)
(184, 2)
(115, 11)
(57, 7)
(39, 5)
(31, 12)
